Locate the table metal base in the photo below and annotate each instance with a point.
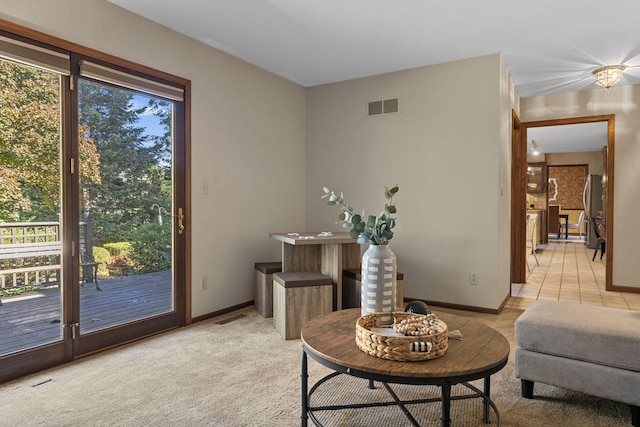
(396, 397)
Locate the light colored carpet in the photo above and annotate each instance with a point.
(243, 374)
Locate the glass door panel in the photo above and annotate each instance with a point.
(126, 187)
(92, 197)
(31, 285)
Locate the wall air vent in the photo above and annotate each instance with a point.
(381, 107)
(390, 106)
(375, 108)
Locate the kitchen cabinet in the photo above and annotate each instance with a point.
(536, 178)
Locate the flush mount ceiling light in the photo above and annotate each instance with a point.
(609, 75)
(534, 148)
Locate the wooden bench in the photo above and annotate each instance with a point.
(21, 259)
(38, 263)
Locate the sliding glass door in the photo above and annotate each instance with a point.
(126, 206)
(128, 215)
(92, 205)
(31, 282)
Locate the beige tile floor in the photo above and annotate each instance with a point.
(566, 273)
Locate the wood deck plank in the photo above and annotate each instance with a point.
(26, 323)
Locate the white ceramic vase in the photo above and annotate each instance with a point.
(378, 293)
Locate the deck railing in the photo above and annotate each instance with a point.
(30, 252)
(29, 232)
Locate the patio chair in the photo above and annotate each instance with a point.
(89, 271)
(600, 232)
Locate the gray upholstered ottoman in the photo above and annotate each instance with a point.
(593, 350)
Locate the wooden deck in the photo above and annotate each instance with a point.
(33, 319)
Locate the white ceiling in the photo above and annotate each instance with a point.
(549, 46)
(569, 138)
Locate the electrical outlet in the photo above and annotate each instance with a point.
(203, 283)
(473, 278)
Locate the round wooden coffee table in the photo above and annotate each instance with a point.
(330, 340)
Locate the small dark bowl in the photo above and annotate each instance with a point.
(417, 307)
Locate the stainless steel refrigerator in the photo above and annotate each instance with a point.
(592, 198)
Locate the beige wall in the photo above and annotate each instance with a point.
(448, 149)
(623, 101)
(591, 158)
(247, 138)
(509, 102)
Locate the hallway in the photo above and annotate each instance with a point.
(566, 273)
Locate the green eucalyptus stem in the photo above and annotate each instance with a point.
(375, 230)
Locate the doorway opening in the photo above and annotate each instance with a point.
(520, 203)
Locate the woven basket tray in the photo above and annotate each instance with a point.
(400, 348)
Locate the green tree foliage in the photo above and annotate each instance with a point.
(101, 256)
(29, 137)
(133, 176)
(125, 171)
(162, 143)
(151, 244)
(30, 144)
(123, 249)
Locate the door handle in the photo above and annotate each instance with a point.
(180, 221)
(73, 326)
